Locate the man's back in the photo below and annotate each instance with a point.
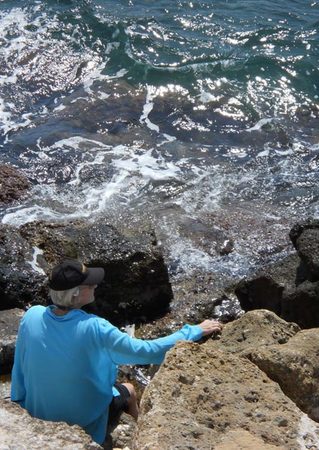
(61, 371)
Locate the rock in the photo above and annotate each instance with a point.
(9, 324)
(282, 288)
(261, 292)
(123, 434)
(22, 282)
(20, 431)
(295, 367)
(243, 440)
(260, 327)
(226, 393)
(305, 237)
(301, 305)
(136, 281)
(13, 184)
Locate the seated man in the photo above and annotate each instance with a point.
(65, 364)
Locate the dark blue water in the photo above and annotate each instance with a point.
(195, 116)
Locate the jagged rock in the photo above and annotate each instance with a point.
(301, 305)
(295, 367)
(136, 283)
(9, 324)
(200, 394)
(261, 292)
(259, 327)
(305, 238)
(282, 288)
(21, 283)
(13, 184)
(20, 431)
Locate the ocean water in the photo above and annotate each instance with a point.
(201, 117)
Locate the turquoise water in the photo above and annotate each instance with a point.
(186, 112)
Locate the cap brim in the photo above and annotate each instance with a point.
(95, 275)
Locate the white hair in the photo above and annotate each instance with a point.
(67, 298)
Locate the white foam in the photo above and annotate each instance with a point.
(258, 126)
(147, 108)
(34, 262)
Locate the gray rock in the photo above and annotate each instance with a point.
(20, 431)
(13, 184)
(307, 245)
(9, 324)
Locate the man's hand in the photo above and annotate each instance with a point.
(210, 326)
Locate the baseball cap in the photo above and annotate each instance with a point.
(72, 273)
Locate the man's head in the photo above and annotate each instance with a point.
(72, 284)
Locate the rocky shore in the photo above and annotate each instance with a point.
(254, 387)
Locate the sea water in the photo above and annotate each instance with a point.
(201, 117)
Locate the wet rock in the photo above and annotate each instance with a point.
(20, 431)
(21, 282)
(305, 238)
(13, 184)
(136, 284)
(301, 305)
(9, 324)
(294, 365)
(228, 393)
(261, 292)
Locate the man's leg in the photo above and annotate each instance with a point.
(132, 406)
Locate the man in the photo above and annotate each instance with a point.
(65, 364)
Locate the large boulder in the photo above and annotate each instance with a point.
(136, 284)
(294, 365)
(20, 431)
(9, 324)
(202, 395)
(13, 184)
(286, 354)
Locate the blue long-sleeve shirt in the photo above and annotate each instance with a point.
(65, 366)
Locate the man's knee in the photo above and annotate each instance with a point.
(131, 390)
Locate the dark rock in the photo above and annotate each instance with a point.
(305, 238)
(302, 305)
(20, 283)
(9, 324)
(136, 284)
(260, 293)
(13, 184)
(298, 229)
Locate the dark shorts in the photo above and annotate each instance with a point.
(118, 405)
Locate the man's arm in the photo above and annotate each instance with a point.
(126, 350)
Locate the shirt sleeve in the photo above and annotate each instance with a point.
(124, 349)
(17, 378)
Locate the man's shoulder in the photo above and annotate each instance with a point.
(36, 309)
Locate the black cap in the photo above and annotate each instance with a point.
(72, 273)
